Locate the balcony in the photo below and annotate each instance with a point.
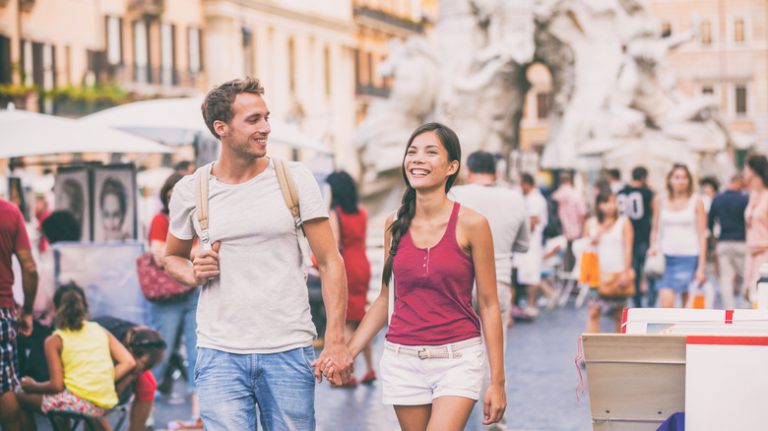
(148, 8)
(371, 90)
(380, 16)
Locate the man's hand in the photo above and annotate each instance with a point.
(25, 323)
(205, 264)
(335, 363)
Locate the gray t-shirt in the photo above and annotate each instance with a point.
(259, 302)
(507, 215)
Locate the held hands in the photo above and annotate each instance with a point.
(336, 363)
(494, 404)
(206, 264)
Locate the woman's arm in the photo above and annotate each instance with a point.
(376, 316)
(124, 361)
(333, 218)
(701, 230)
(478, 236)
(655, 225)
(55, 384)
(629, 238)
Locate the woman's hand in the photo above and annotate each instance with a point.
(495, 403)
(652, 251)
(28, 384)
(701, 276)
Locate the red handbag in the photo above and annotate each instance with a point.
(156, 284)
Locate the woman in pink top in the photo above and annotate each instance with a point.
(433, 362)
(756, 218)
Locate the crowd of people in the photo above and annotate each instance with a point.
(462, 262)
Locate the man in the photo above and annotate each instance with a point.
(13, 241)
(254, 326)
(727, 211)
(572, 211)
(505, 210)
(614, 181)
(529, 264)
(635, 201)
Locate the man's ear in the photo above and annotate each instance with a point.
(220, 127)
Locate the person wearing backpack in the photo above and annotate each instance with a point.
(254, 328)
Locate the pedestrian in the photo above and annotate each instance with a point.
(726, 216)
(254, 329)
(529, 264)
(85, 361)
(184, 167)
(636, 202)
(709, 187)
(505, 211)
(433, 362)
(349, 221)
(679, 233)
(614, 180)
(174, 318)
(612, 235)
(14, 241)
(756, 216)
(147, 347)
(572, 211)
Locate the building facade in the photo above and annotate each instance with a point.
(727, 57)
(146, 47)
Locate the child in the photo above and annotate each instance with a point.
(84, 361)
(147, 348)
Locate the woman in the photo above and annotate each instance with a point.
(349, 222)
(756, 218)
(433, 366)
(113, 203)
(680, 233)
(175, 317)
(612, 235)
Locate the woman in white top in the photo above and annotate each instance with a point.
(612, 236)
(679, 233)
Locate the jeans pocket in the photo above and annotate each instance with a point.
(203, 361)
(308, 356)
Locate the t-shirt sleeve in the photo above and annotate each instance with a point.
(311, 203)
(182, 208)
(22, 238)
(145, 387)
(158, 230)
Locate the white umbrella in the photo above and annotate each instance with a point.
(180, 121)
(25, 133)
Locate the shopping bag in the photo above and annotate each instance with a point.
(589, 271)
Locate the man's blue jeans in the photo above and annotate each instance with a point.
(231, 386)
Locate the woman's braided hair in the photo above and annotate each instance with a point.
(407, 209)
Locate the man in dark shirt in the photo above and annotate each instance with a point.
(727, 213)
(635, 201)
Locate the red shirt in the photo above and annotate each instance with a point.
(13, 238)
(433, 292)
(145, 387)
(158, 230)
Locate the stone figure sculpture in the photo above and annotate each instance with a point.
(612, 96)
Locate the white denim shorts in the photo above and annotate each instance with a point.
(416, 375)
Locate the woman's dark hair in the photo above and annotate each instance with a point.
(61, 226)
(759, 164)
(407, 209)
(146, 341)
(114, 187)
(602, 197)
(527, 178)
(711, 181)
(343, 191)
(71, 307)
(167, 187)
(687, 171)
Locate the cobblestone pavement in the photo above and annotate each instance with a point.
(541, 386)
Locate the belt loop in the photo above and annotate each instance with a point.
(397, 349)
(450, 351)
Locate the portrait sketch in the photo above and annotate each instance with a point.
(114, 197)
(72, 193)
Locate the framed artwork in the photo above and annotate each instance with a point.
(72, 192)
(114, 199)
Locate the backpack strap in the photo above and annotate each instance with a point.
(288, 188)
(201, 203)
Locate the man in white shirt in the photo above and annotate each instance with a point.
(254, 326)
(529, 264)
(505, 210)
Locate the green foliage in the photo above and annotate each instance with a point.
(110, 94)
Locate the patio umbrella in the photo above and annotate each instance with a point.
(24, 133)
(180, 122)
